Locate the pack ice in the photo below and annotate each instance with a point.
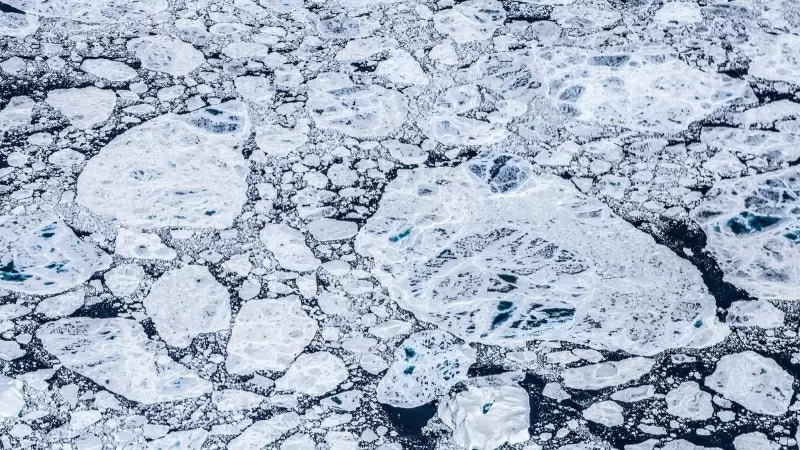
(172, 171)
(496, 255)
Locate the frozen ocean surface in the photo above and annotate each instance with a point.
(399, 225)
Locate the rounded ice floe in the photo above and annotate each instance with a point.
(40, 254)
(83, 107)
(102, 11)
(759, 313)
(473, 20)
(289, 247)
(123, 280)
(753, 229)
(313, 374)
(495, 255)
(753, 381)
(325, 230)
(16, 113)
(172, 171)
(606, 374)
(61, 305)
(689, 402)
(166, 54)
(133, 244)
(275, 140)
(264, 432)
(607, 413)
(402, 68)
(754, 441)
(236, 399)
(108, 69)
(254, 89)
(117, 355)
(268, 335)
(485, 418)
(18, 25)
(336, 103)
(187, 302)
(426, 366)
(11, 399)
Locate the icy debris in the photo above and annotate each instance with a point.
(264, 432)
(313, 374)
(40, 254)
(17, 113)
(689, 402)
(754, 441)
(61, 305)
(83, 107)
(108, 69)
(753, 230)
(123, 280)
(133, 244)
(166, 54)
(543, 272)
(325, 230)
(336, 103)
(759, 313)
(473, 20)
(102, 11)
(634, 394)
(268, 335)
(187, 302)
(159, 173)
(180, 440)
(288, 245)
(607, 413)
(603, 375)
(753, 381)
(485, 418)
(11, 399)
(426, 366)
(117, 354)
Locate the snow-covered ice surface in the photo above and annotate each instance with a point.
(399, 225)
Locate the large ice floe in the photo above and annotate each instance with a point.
(753, 230)
(174, 170)
(117, 355)
(40, 254)
(498, 255)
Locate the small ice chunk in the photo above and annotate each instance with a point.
(608, 413)
(61, 305)
(110, 70)
(759, 313)
(326, 230)
(689, 402)
(634, 394)
(17, 113)
(485, 418)
(254, 89)
(117, 354)
(40, 254)
(79, 420)
(133, 244)
(390, 329)
(555, 391)
(426, 366)
(268, 335)
(124, 279)
(313, 374)
(165, 54)
(603, 375)
(264, 432)
(83, 107)
(753, 381)
(187, 302)
(402, 68)
(288, 245)
(275, 140)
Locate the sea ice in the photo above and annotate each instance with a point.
(83, 107)
(753, 381)
(166, 54)
(109, 69)
(313, 374)
(159, 174)
(689, 402)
